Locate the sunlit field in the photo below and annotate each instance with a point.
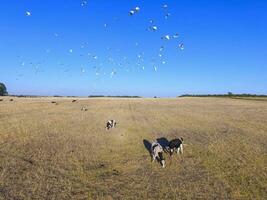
(57, 151)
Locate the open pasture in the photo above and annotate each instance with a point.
(58, 151)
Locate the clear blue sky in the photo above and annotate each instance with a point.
(225, 47)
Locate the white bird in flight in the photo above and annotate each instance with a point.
(28, 13)
(181, 46)
(166, 37)
(134, 11)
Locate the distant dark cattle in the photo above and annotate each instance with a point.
(1, 99)
(11, 100)
(53, 102)
(74, 101)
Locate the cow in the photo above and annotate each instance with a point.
(111, 124)
(176, 145)
(157, 153)
(84, 108)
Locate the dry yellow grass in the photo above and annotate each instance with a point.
(50, 151)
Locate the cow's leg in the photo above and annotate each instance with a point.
(182, 149)
(153, 157)
(171, 152)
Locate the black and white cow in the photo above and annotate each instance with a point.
(84, 108)
(176, 145)
(111, 124)
(157, 153)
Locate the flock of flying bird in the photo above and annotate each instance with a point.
(124, 62)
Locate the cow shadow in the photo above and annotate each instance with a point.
(164, 142)
(147, 145)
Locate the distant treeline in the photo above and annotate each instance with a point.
(229, 94)
(26, 96)
(123, 96)
(37, 96)
(91, 96)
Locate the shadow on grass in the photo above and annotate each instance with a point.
(147, 145)
(164, 142)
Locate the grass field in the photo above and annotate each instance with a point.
(251, 98)
(50, 151)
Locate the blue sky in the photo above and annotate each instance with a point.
(225, 47)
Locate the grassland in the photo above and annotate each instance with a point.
(57, 151)
(251, 98)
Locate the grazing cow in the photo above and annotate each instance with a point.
(54, 102)
(157, 153)
(11, 100)
(111, 124)
(176, 145)
(1, 99)
(74, 101)
(84, 108)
